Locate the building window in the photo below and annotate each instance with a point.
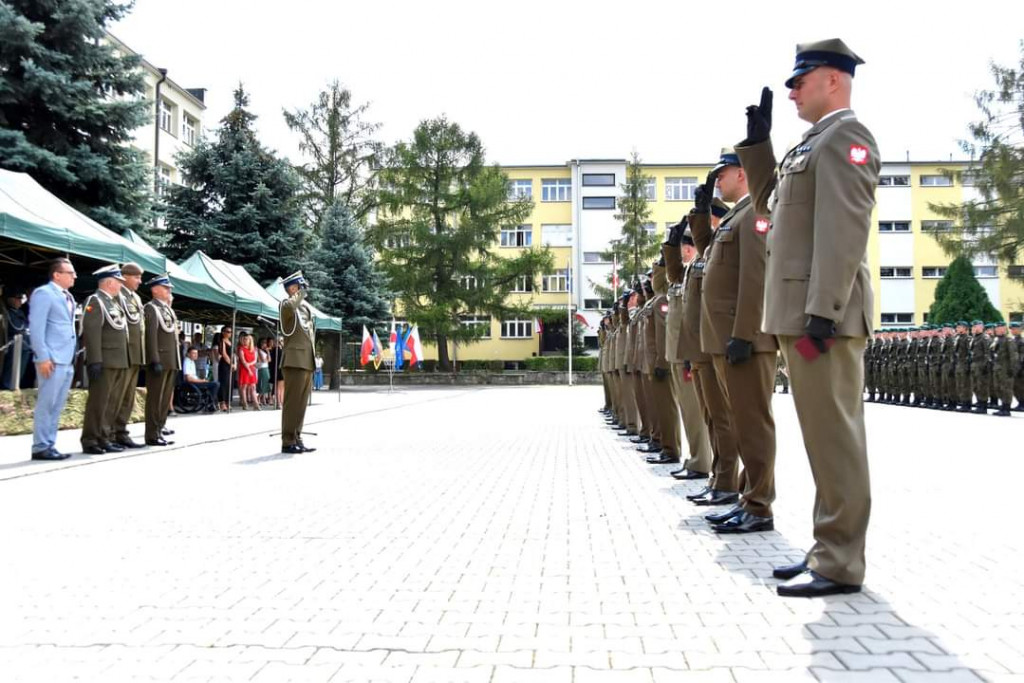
(522, 284)
(469, 282)
(680, 189)
(516, 329)
(936, 181)
(520, 189)
(894, 181)
(1015, 272)
(891, 272)
(188, 130)
(651, 190)
(599, 180)
(650, 228)
(936, 226)
(556, 234)
(986, 271)
(893, 226)
(519, 236)
(596, 304)
(1016, 317)
(166, 115)
(480, 323)
(594, 257)
(556, 190)
(555, 282)
(933, 271)
(603, 203)
(897, 318)
(163, 182)
(398, 240)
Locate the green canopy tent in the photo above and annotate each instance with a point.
(324, 322)
(253, 300)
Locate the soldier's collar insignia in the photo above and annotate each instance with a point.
(802, 149)
(724, 228)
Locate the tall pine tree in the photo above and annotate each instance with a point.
(959, 296)
(638, 246)
(68, 106)
(237, 201)
(443, 211)
(344, 278)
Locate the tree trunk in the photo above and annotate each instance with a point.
(443, 362)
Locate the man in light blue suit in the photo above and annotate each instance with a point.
(52, 321)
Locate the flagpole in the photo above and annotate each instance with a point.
(568, 287)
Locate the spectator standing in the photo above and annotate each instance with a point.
(263, 371)
(247, 372)
(17, 323)
(225, 365)
(318, 372)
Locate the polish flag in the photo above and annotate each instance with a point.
(415, 347)
(366, 348)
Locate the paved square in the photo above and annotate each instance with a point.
(491, 535)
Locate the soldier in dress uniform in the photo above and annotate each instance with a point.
(724, 484)
(665, 406)
(634, 363)
(297, 362)
(133, 314)
(105, 334)
(677, 251)
(602, 339)
(980, 365)
(732, 302)
(645, 353)
(1004, 367)
(1018, 383)
(164, 356)
(818, 298)
(617, 414)
(625, 339)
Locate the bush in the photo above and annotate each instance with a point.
(561, 363)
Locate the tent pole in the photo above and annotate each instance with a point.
(231, 356)
(341, 347)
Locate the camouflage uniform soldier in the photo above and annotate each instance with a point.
(962, 367)
(903, 387)
(869, 367)
(936, 344)
(921, 383)
(980, 365)
(884, 370)
(948, 368)
(1004, 366)
(1018, 382)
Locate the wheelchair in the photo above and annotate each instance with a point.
(189, 398)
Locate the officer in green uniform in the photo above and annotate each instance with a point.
(962, 366)
(921, 381)
(1018, 382)
(133, 314)
(297, 362)
(990, 330)
(949, 399)
(164, 356)
(105, 334)
(1004, 366)
(980, 366)
(933, 399)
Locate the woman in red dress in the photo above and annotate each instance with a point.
(247, 372)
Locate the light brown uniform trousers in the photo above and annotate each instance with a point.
(820, 204)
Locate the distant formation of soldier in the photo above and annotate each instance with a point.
(964, 367)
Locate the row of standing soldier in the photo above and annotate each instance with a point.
(953, 366)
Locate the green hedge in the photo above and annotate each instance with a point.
(561, 363)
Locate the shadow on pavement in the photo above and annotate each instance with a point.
(265, 458)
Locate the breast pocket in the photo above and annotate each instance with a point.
(796, 185)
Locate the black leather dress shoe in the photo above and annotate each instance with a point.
(640, 439)
(813, 585)
(128, 443)
(700, 494)
(626, 433)
(663, 459)
(158, 442)
(292, 449)
(50, 454)
(720, 517)
(687, 475)
(93, 450)
(305, 448)
(652, 447)
(788, 571)
(166, 432)
(715, 497)
(113, 447)
(744, 523)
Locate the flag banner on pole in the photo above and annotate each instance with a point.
(378, 355)
(415, 347)
(582, 321)
(615, 277)
(540, 326)
(366, 348)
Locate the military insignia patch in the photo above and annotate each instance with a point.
(858, 155)
(762, 225)
(88, 309)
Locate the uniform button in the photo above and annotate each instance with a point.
(836, 307)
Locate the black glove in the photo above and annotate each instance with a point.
(675, 233)
(156, 367)
(759, 119)
(738, 350)
(94, 370)
(704, 194)
(660, 373)
(819, 329)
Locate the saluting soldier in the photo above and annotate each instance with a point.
(625, 339)
(297, 363)
(164, 356)
(980, 365)
(732, 303)
(133, 315)
(1018, 382)
(818, 298)
(645, 353)
(724, 484)
(602, 340)
(677, 251)
(665, 405)
(634, 361)
(105, 334)
(1004, 367)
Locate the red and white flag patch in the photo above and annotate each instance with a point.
(762, 225)
(858, 155)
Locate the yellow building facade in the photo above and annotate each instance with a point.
(573, 215)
